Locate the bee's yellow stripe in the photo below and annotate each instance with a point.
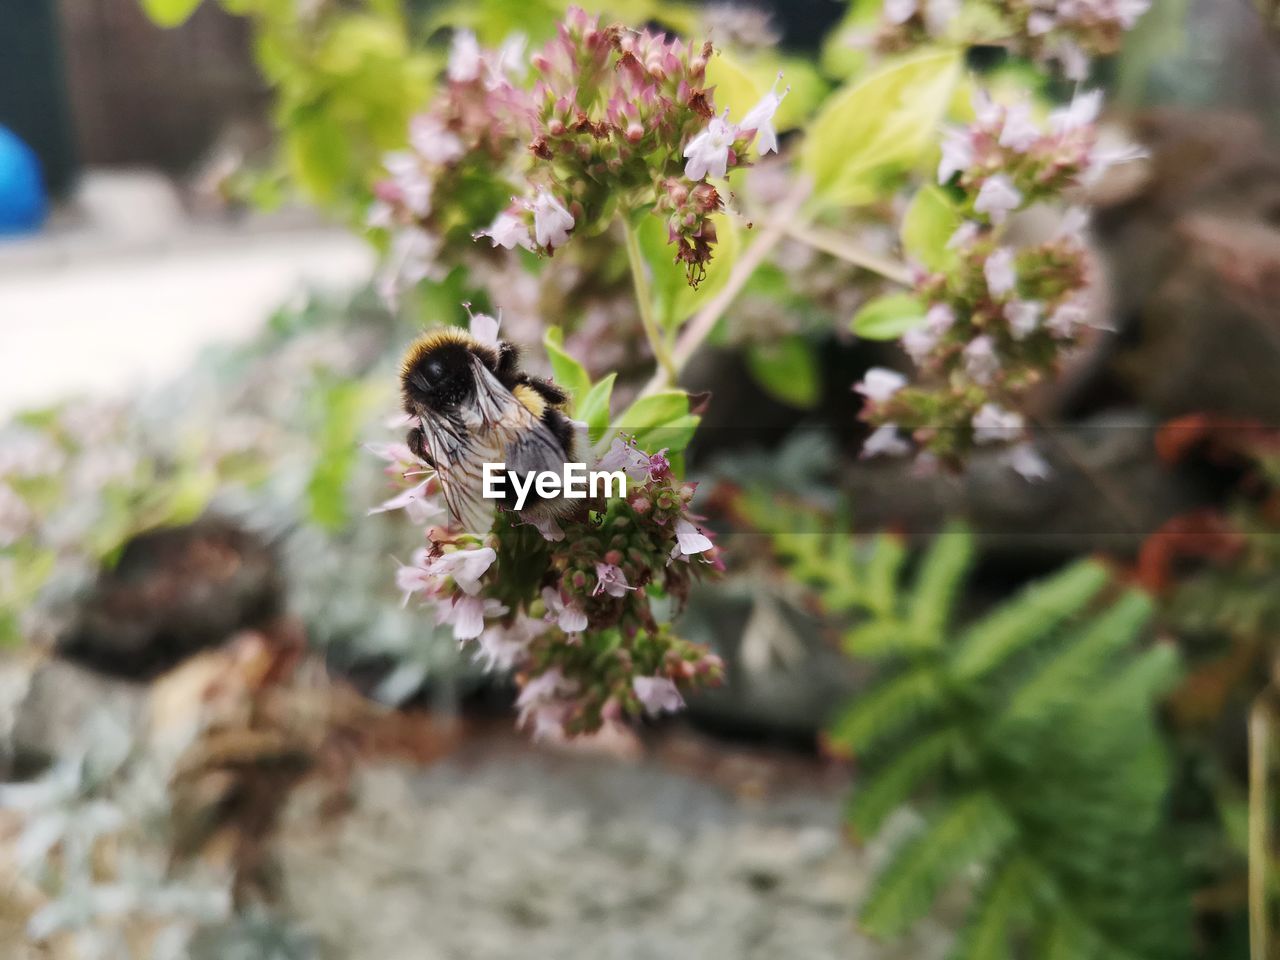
(530, 399)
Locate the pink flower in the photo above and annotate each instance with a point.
(412, 258)
(879, 384)
(939, 319)
(919, 343)
(994, 424)
(508, 231)
(1067, 319)
(899, 11)
(542, 701)
(466, 567)
(611, 580)
(433, 141)
(551, 221)
(964, 235)
(690, 541)
(569, 617)
(1028, 464)
(980, 360)
(884, 442)
(1019, 131)
(760, 119)
(549, 528)
(414, 577)
(657, 695)
(708, 152)
(997, 198)
(623, 456)
(412, 184)
(1079, 113)
(1000, 272)
(501, 648)
(404, 499)
(510, 60)
(485, 328)
(464, 57)
(467, 613)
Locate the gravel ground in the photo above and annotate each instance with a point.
(511, 852)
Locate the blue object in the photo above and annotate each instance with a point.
(23, 202)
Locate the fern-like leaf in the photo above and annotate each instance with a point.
(1068, 676)
(888, 710)
(973, 829)
(892, 785)
(941, 572)
(998, 907)
(881, 586)
(879, 640)
(1026, 619)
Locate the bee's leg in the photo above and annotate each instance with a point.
(552, 393)
(417, 441)
(508, 370)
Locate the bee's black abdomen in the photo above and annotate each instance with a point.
(553, 393)
(561, 428)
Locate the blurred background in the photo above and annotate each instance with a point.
(199, 621)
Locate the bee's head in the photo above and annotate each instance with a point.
(439, 379)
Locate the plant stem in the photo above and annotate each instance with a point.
(836, 245)
(644, 301)
(703, 322)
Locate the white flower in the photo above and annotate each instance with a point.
(957, 154)
(1040, 23)
(1080, 112)
(464, 57)
(467, 614)
(414, 577)
(938, 14)
(510, 60)
(965, 234)
(1023, 317)
(611, 580)
(994, 424)
(403, 499)
(939, 319)
(760, 119)
(508, 231)
(899, 11)
(879, 385)
(885, 442)
(29, 453)
(501, 648)
(708, 152)
(412, 258)
(551, 221)
(466, 567)
(657, 695)
(1028, 464)
(1020, 130)
(405, 168)
(999, 270)
(998, 198)
(540, 701)
(980, 360)
(567, 616)
(919, 343)
(691, 541)
(1073, 224)
(625, 457)
(485, 328)
(381, 216)
(15, 515)
(433, 140)
(1067, 319)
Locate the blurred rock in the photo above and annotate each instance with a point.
(1107, 490)
(173, 592)
(533, 855)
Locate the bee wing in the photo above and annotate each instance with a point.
(526, 444)
(459, 455)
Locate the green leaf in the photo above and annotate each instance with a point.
(888, 317)
(887, 557)
(788, 371)
(169, 13)
(892, 785)
(972, 830)
(568, 372)
(887, 710)
(927, 226)
(594, 408)
(880, 125)
(941, 572)
(660, 421)
(1027, 618)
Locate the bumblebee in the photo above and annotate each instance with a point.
(472, 404)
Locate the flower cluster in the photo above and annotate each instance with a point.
(474, 127)
(623, 119)
(567, 606)
(1066, 32)
(998, 317)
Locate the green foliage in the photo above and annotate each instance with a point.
(927, 226)
(879, 126)
(1027, 738)
(788, 370)
(888, 317)
(169, 13)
